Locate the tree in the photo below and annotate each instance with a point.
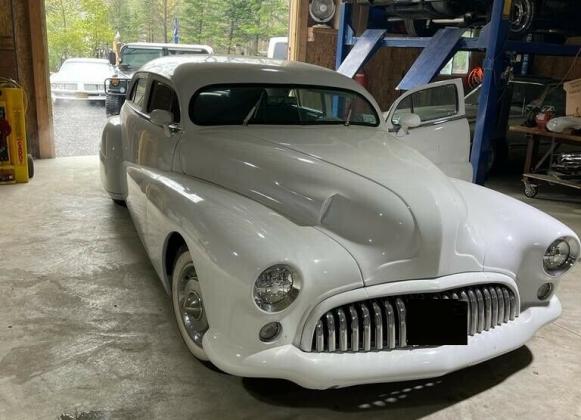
(85, 28)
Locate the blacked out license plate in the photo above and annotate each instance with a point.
(436, 322)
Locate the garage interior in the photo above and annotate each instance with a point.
(87, 330)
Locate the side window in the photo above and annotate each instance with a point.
(164, 97)
(429, 104)
(138, 92)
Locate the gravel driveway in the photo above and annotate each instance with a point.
(77, 127)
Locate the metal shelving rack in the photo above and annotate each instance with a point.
(353, 52)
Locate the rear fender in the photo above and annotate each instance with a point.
(111, 156)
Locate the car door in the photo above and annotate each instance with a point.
(432, 119)
(150, 147)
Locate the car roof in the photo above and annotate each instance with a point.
(243, 69)
(168, 45)
(86, 60)
(189, 73)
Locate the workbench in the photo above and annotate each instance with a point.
(533, 174)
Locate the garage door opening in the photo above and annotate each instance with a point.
(90, 41)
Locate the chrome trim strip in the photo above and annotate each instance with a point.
(330, 331)
(487, 309)
(513, 307)
(464, 298)
(342, 330)
(401, 315)
(354, 328)
(366, 327)
(320, 338)
(494, 299)
(500, 305)
(506, 305)
(390, 322)
(480, 301)
(378, 320)
(473, 312)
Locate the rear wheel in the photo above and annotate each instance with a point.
(188, 304)
(113, 104)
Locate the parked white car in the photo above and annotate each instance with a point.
(81, 79)
(300, 240)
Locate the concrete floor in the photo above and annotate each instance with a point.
(87, 332)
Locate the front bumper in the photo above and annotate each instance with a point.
(78, 95)
(326, 370)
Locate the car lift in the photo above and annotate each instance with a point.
(437, 51)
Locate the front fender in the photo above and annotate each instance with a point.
(515, 237)
(111, 156)
(232, 239)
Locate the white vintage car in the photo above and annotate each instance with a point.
(299, 239)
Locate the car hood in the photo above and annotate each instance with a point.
(391, 208)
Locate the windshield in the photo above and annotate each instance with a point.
(137, 57)
(86, 70)
(280, 105)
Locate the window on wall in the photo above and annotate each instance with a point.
(460, 63)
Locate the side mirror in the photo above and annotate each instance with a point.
(408, 121)
(162, 118)
(112, 58)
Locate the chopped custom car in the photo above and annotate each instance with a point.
(299, 239)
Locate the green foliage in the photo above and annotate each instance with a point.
(86, 28)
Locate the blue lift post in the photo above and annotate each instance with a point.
(493, 39)
(488, 101)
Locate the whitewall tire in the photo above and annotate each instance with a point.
(188, 304)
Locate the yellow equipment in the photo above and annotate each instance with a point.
(14, 161)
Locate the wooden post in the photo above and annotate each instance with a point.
(38, 40)
(298, 34)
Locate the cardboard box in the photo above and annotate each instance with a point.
(573, 90)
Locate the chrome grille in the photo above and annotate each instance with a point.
(380, 324)
(70, 86)
(91, 87)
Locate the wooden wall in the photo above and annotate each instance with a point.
(384, 71)
(23, 58)
(557, 67)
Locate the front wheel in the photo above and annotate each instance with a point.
(188, 304)
(531, 190)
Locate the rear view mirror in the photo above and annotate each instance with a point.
(162, 118)
(408, 121)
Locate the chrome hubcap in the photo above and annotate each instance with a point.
(191, 305)
(521, 15)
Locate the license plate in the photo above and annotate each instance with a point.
(82, 95)
(436, 322)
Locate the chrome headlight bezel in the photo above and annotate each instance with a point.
(569, 261)
(276, 303)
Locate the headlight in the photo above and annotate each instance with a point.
(560, 256)
(276, 288)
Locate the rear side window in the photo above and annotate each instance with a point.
(164, 97)
(138, 92)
